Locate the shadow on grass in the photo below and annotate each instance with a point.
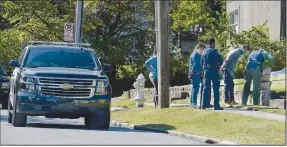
(163, 128)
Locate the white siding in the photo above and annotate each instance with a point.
(252, 13)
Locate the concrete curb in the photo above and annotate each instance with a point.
(174, 133)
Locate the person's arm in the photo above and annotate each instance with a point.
(220, 59)
(197, 60)
(202, 59)
(229, 57)
(190, 63)
(268, 57)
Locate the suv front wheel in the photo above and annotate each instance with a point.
(9, 112)
(98, 120)
(18, 119)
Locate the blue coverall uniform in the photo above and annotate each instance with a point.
(195, 71)
(211, 62)
(151, 64)
(253, 71)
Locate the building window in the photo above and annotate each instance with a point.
(234, 16)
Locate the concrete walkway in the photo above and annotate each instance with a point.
(258, 114)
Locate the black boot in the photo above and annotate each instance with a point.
(218, 108)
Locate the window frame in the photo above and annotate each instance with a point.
(238, 20)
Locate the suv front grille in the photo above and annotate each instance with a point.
(78, 88)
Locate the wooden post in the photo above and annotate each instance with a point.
(163, 55)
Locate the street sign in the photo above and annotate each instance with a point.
(69, 32)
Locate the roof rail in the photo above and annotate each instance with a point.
(58, 43)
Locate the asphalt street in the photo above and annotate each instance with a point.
(44, 131)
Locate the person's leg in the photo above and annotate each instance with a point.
(206, 92)
(226, 87)
(231, 91)
(247, 84)
(156, 92)
(191, 89)
(201, 90)
(216, 86)
(154, 83)
(195, 89)
(256, 86)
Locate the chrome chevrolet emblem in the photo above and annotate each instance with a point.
(66, 86)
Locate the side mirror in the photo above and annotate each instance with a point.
(14, 63)
(108, 68)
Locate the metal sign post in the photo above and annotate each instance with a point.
(69, 32)
(79, 20)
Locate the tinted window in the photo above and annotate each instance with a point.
(1, 71)
(61, 58)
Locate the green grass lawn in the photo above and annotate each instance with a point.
(277, 78)
(278, 83)
(270, 110)
(278, 86)
(238, 128)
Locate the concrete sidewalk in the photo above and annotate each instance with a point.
(258, 114)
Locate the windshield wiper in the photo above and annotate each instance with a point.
(38, 66)
(70, 66)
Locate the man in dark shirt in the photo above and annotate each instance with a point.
(211, 62)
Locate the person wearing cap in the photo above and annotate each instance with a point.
(228, 74)
(253, 71)
(195, 73)
(151, 64)
(211, 62)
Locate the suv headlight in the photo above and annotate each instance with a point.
(101, 87)
(28, 84)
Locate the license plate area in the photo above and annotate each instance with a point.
(65, 108)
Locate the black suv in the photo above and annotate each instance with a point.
(4, 87)
(59, 80)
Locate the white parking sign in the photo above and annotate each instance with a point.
(69, 32)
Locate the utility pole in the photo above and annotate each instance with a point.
(79, 21)
(163, 54)
(156, 23)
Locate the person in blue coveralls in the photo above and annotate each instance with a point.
(151, 64)
(211, 62)
(253, 71)
(228, 73)
(195, 73)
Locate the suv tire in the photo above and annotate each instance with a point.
(98, 120)
(9, 113)
(18, 119)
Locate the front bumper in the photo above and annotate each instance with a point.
(36, 105)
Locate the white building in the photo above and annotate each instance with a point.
(245, 14)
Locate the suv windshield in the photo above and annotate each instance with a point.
(69, 58)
